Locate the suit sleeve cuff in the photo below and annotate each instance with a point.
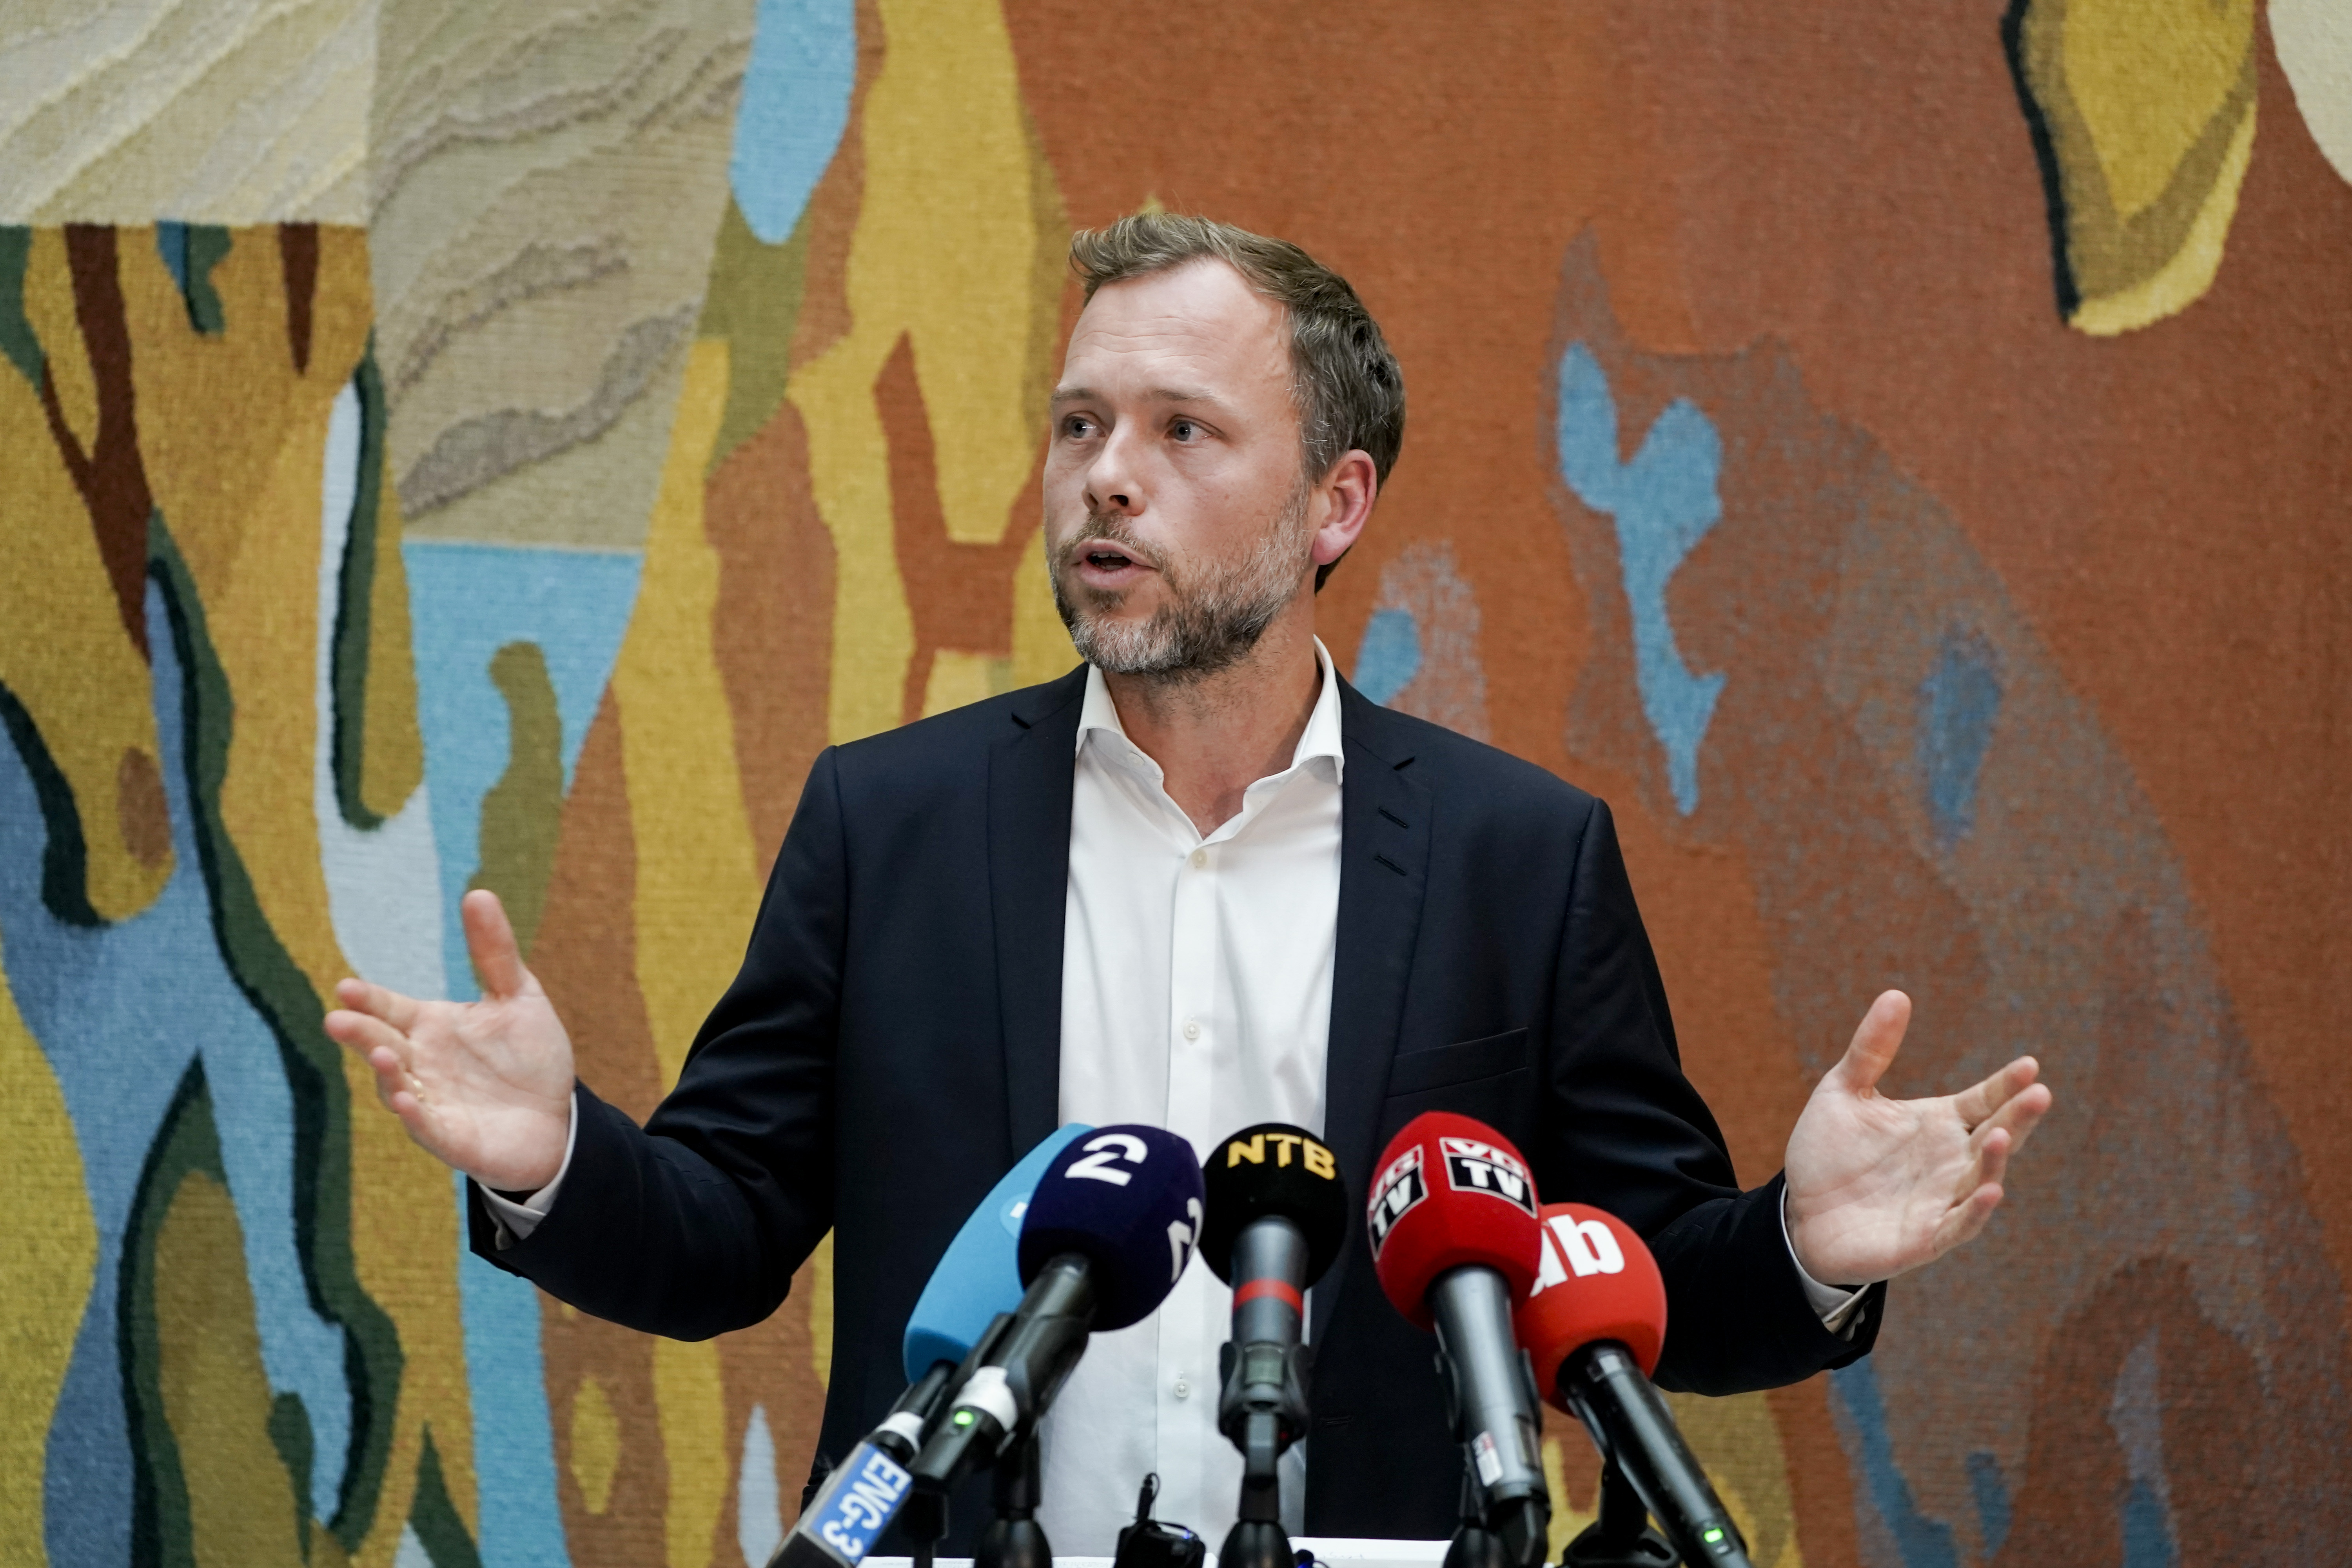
(1834, 1304)
(516, 1219)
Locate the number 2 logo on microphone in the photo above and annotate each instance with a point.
(1101, 1153)
(1183, 1234)
(1473, 1167)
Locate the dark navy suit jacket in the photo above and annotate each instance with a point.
(893, 1043)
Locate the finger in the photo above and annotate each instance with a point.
(411, 1111)
(491, 939)
(397, 1087)
(2019, 1118)
(365, 1034)
(2027, 1110)
(1966, 1218)
(1875, 1040)
(1992, 1159)
(1977, 1102)
(400, 1012)
(392, 1078)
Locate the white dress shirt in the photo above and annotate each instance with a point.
(1196, 996)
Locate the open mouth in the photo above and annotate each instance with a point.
(1108, 564)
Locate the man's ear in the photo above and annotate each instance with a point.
(1346, 494)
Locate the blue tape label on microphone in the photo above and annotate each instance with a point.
(852, 1518)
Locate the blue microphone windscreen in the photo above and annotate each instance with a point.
(1128, 1198)
(980, 1274)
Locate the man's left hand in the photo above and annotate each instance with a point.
(1877, 1186)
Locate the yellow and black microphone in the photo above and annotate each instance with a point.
(1278, 1214)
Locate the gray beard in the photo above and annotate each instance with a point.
(1214, 612)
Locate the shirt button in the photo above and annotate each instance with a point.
(1199, 859)
(1191, 1030)
(1183, 1389)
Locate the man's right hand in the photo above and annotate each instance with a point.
(484, 1086)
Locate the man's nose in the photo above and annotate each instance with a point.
(1111, 482)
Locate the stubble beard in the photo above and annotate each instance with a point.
(1213, 612)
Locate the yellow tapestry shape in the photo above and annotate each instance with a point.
(49, 1256)
(74, 686)
(698, 874)
(958, 253)
(2143, 118)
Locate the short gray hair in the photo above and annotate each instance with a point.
(1349, 393)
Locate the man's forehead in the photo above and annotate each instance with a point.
(1199, 325)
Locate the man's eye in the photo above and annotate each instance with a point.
(1184, 429)
(1077, 425)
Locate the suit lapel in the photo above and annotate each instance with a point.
(1384, 834)
(1029, 781)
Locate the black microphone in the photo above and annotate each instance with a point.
(1277, 1216)
(1594, 1327)
(1107, 1233)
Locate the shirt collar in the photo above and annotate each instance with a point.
(1322, 737)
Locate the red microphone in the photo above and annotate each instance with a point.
(1595, 1280)
(1455, 1243)
(1593, 1329)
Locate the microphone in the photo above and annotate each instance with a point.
(1278, 1215)
(856, 1501)
(1453, 1226)
(1594, 1327)
(979, 1276)
(976, 1283)
(1109, 1228)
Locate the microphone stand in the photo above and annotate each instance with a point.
(1474, 1546)
(1621, 1536)
(924, 1517)
(1014, 1539)
(1266, 1368)
(1635, 1422)
(1509, 1531)
(1265, 1409)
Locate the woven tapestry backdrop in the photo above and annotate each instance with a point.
(1897, 457)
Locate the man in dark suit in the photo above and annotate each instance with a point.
(1198, 881)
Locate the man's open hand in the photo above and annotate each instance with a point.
(1879, 1186)
(486, 1086)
